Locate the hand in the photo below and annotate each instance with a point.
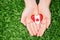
(30, 9)
(44, 10)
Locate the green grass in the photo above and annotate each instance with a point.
(12, 29)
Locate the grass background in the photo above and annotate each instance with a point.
(12, 29)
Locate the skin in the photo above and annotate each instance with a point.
(32, 8)
(44, 10)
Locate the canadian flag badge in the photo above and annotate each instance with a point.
(37, 18)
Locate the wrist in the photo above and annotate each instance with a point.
(30, 2)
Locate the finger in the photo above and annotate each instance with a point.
(33, 28)
(42, 28)
(23, 21)
(24, 17)
(38, 27)
(29, 29)
(39, 30)
(48, 18)
(48, 21)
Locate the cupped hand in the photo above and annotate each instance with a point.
(30, 9)
(43, 7)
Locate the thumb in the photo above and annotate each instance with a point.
(23, 18)
(25, 14)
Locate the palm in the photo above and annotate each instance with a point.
(26, 18)
(44, 10)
